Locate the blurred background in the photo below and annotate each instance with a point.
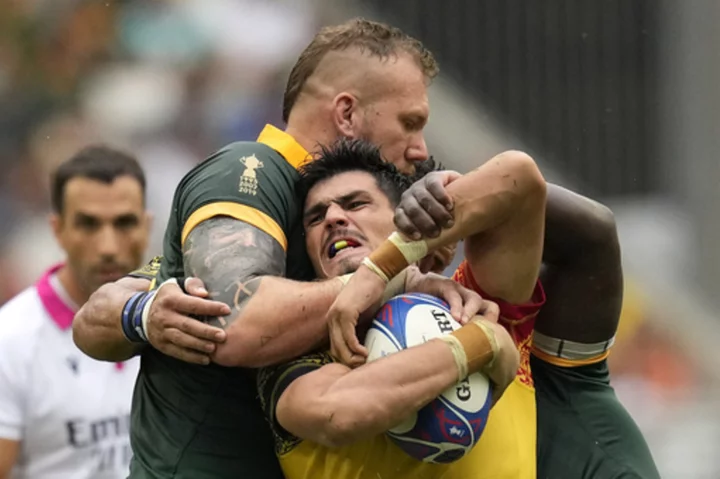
(618, 99)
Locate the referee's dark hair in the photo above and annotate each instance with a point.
(347, 155)
(96, 162)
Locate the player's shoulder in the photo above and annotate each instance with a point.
(21, 319)
(243, 155)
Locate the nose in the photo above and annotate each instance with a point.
(417, 150)
(108, 242)
(335, 216)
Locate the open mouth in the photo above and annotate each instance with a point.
(341, 245)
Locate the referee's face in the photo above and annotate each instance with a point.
(103, 229)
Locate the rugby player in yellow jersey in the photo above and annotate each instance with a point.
(328, 419)
(236, 224)
(319, 106)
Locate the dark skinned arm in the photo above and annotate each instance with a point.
(582, 269)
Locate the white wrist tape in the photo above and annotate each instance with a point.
(413, 251)
(344, 278)
(493, 342)
(395, 287)
(459, 355)
(374, 268)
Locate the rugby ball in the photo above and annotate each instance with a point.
(447, 428)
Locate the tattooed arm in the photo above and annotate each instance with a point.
(272, 319)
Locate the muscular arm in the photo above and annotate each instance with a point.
(499, 211)
(505, 260)
(582, 270)
(96, 327)
(9, 451)
(272, 319)
(335, 405)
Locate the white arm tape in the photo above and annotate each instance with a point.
(395, 287)
(374, 268)
(413, 251)
(571, 350)
(459, 355)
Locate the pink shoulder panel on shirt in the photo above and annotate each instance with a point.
(60, 312)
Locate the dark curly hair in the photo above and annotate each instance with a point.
(347, 155)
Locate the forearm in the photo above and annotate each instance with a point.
(283, 320)
(483, 200)
(351, 405)
(488, 196)
(97, 327)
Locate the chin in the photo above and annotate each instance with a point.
(345, 266)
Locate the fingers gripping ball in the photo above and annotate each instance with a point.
(447, 428)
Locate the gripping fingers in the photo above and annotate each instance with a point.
(352, 341)
(419, 218)
(489, 310)
(185, 355)
(338, 349)
(198, 329)
(435, 184)
(472, 303)
(404, 225)
(455, 301)
(441, 217)
(195, 287)
(187, 341)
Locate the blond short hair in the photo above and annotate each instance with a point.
(373, 38)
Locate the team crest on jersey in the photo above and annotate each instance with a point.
(248, 180)
(150, 270)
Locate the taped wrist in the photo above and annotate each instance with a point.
(136, 311)
(133, 325)
(474, 347)
(395, 287)
(394, 255)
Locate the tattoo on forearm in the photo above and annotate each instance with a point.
(231, 257)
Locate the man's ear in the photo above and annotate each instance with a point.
(347, 115)
(56, 224)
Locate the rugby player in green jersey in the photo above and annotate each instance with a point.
(98, 329)
(236, 224)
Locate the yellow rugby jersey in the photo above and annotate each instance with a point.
(506, 449)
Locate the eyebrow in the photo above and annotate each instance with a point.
(322, 206)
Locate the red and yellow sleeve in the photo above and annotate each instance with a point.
(510, 313)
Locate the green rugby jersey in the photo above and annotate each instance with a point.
(584, 432)
(197, 422)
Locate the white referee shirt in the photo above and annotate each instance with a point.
(70, 413)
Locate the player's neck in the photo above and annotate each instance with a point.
(309, 133)
(71, 285)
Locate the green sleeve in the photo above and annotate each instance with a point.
(272, 382)
(583, 429)
(247, 181)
